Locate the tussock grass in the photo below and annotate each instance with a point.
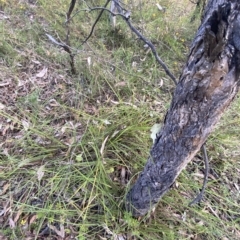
(71, 145)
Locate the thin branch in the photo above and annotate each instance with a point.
(99, 16)
(71, 55)
(199, 197)
(81, 10)
(126, 17)
(149, 43)
(72, 5)
(53, 40)
(66, 46)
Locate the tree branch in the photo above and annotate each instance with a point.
(199, 197)
(99, 16)
(126, 17)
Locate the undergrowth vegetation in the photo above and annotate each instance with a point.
(72, 144)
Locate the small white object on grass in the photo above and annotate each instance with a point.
(160, 8)
(155, 130)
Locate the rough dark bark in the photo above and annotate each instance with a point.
(208, 84)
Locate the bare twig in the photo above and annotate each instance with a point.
(53, 40)
(71, 55)
(66, 46)
(99, 16)
(199, 197)
(126, 17)
(81, 10)
(149, 43)
(71, 7)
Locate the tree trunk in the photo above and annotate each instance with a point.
(208, 84)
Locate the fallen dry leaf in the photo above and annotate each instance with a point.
(40, 172)
(120, 84)
(5, 188)
(2, 106)
(25, 125)
(17, 215)
(6, 209)
(42, 73)
(3, 84)
(60, 233)
(32, 219)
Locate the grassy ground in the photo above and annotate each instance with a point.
(70, 145)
